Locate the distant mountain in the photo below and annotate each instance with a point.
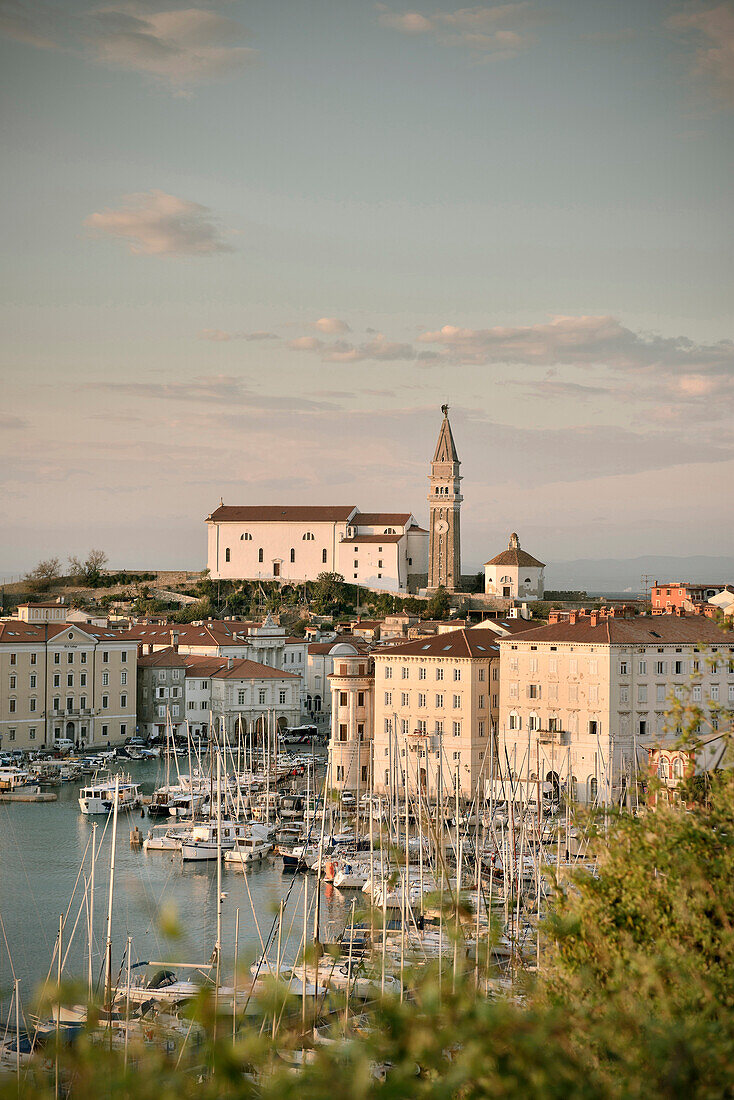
(615, 575)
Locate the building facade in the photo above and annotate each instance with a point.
(514, 574)
(580, 700)
(65, 681)
(382, 550)
(436, 707)
(671, 595)
(444, 503)
(352, 687)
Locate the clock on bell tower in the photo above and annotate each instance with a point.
(444, 499)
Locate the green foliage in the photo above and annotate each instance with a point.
(328, 594)
(44, 575)
(439, 605)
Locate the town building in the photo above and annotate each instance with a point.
(319, 666)
(444, 503)
(65, 681)
(436, 707)
(379, 550)
(514, 574)
(666, 596)
(183, 691)
(352, 687)
(580, 699)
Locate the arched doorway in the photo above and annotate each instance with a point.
(552, 778)
(282, 723)
(70, 730)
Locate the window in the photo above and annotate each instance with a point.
(105, 702)
(340, 772)
(261, 696)
(439, 702)
(422, 672)
(246, 537)
(32, 704)
(481, 729)
(32, 733)
(360, 698)
(379, 565)
(622, 668)
(70, 680)
(678, 668)
(642, 693)
(123, 704)
(240, 698)
(308, 537)
(323, 557)
(57, 680)
(457, 729)
(57, 658)
(457, 756)
(33, 661)
(404, 699)
(123, 656)
(11, 735)
(660, 693)
(105, 679)
(533, 722)
(439, 674)
(281, 697)
(593, 666)
(405, 672)
(643, 727)
(343, 732)
(515, 722)
(13, 680)
(11, 706)
(573, 666)
(714, 693)
(573, 693)
(661, 667)
(293, 553)
(457, 673)
(70, 658)
(82, 679)
(421, 699)
(533, 691)
(260, 555)
(83, 657)
(533, 664)
(481, 702)
(593, 693)
(342, 698)
(514, 691)
(83, 703)
(439, 726)
(593, 728)
(105, 657)
(456, 701)
(388, 727)
(388, 673)
(624, 694)
(388, 698)
(56, 703)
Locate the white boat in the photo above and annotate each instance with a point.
(247, 850)
(163, 987)
(17, 781)
(99, 798)
(351, 876)
(165, 838)
(201, 841)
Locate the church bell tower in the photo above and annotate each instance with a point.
(444, 499)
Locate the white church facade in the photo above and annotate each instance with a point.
(514, 574)
(387, 551)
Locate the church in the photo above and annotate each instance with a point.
(385, 551)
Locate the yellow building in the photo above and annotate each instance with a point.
(64, 681)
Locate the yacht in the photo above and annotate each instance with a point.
(99, 797)
(202, 843)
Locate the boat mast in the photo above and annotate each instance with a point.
(108, 946)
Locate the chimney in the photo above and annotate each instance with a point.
(174, 640)
(229, 662)
(594, 618)
(572, 617)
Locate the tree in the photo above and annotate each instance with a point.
(328, 592)
(439, 604)
(88, 572)
(45, 573)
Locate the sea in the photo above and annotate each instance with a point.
(167, 908)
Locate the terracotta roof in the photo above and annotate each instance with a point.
(414, 529)
(215, 632)
(508, 626)
(455, 643)
(372, 538)
(324, 647)
(251, 670)
(370, 519)
(516, 556)
(14, 630)
(306, 513)
(642, 630)
(163, 658)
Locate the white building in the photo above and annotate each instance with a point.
(514, 574)
(381, 550)
(352, 701)
(581, 699)
(319, 667)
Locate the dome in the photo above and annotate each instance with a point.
(343, 649)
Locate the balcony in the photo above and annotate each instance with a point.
(553, 737)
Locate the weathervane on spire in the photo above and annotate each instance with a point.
(445, 410)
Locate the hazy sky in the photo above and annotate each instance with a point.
(250, 247)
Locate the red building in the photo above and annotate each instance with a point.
(670, 595)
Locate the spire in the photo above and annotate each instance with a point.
(445, 448)
(514, 541)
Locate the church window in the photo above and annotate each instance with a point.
(323, 557)
(293, 554)
(389, 531)
(505, 580)
(308, 536)
(246, 537)
(260, 554)
(227, 555)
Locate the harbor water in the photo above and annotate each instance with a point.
(169, 909)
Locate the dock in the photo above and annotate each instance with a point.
(48, 796)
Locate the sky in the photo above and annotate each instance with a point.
(250, 248)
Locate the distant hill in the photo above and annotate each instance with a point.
(615, 575)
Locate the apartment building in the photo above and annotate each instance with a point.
(667, 596)
(352, 687)
(580, 699)
(65, 681)
(189, 689)
(436, 704)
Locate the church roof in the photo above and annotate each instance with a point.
(371, 519)
(259, 513)
(445, 448)
(514, 555)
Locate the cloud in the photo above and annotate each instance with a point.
(186, 46)
(220, 336)
(556, 389)
(488, 30)
(221, 389)
(157, 224)
(714, 59)
(583, 340)
(31, 25)
(10, 423)
(330, 326)
(341, 351)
